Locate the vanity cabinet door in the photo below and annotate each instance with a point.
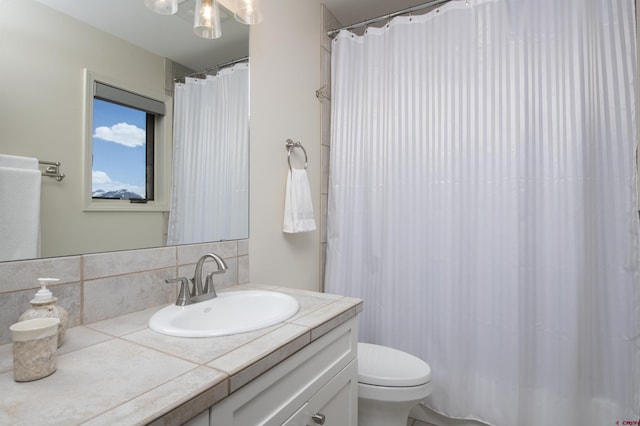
(274, 397)
(336, 404)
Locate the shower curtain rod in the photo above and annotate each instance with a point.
(431, 3)
(217, 68)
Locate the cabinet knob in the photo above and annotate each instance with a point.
(318, 418)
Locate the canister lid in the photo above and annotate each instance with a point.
(34, 329)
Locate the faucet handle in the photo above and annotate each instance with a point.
(208, 284)
(184, 294)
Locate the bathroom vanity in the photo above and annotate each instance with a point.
(299, 372)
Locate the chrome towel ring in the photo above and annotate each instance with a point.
(291, 145)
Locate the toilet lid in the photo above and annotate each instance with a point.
(384, 366)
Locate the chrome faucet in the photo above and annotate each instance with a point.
(197, 277)
(198, 292)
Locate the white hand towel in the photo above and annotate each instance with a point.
(298, 208)
(19, 213)
(17, 162)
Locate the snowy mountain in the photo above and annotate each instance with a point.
(121, 194)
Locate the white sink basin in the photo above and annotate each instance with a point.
(230, 313)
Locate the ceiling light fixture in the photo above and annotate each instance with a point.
(206, 22)
(248, 11)
(163, 7)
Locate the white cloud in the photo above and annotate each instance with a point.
(125, 134)
(99, 177)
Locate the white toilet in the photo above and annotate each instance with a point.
(390, 384)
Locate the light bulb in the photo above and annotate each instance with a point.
(206, 22)
(163, 7)
(248, 11)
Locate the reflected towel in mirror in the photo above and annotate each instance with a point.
(20, 182)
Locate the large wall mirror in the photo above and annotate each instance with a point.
(47, 48)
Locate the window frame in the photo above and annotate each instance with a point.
(161, 151)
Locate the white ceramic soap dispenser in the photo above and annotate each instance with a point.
(44, 306)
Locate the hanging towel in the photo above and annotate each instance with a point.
(17, 162)
(19, 208)
(298, 209)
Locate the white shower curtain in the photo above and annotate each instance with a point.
(482, 202)
(210, 195)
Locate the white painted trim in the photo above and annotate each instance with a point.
(162, 152)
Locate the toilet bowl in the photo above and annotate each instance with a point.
(390, 384)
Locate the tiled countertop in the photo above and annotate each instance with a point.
(118, 371)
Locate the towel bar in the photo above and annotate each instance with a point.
(291, 145)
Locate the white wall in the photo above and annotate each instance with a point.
(42, 56)
(285, 73)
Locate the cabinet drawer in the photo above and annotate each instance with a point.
(200, 420)
(336, 404)
(277, 394)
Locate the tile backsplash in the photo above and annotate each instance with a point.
(99, 286)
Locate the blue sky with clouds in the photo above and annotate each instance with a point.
(119, 151)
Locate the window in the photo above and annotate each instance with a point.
(122, 146)
(127, 140)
